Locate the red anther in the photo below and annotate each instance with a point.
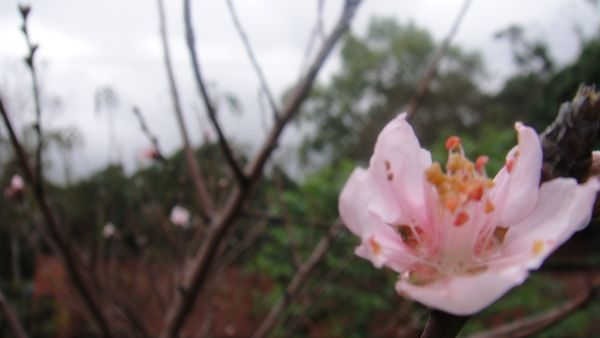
(453, 143)
(509, 164)
(461, 219)
(475, 192)
(481, 162)
(451, 203)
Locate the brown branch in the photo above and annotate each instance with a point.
(415, 100)
(443, 325)
(295, 286)
(531, 325)
(13, 323)
(63, 249)
(201, 264)
(206, 204)
(568, 142)
(210, 108)
(257, 68)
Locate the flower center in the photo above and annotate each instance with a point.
(461, 236)
(464, 181)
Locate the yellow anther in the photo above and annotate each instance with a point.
(537, 247)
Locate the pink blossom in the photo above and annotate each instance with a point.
(459, 240)
(149, 153)
(109, 230)
(180, 216)
(16, 188)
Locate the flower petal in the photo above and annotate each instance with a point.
(464, 294)
(517, 184)
(397, 166)
(564, 207)
(380, 243)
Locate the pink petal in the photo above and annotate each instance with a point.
(380, 243)
(564, 207)
(17, 183)
(464, 294)
(398, 166)
(353, 201)
(516, 193)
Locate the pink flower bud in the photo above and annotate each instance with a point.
(180, 216)
(16, 189)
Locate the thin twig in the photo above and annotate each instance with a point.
(286, 221)
(316, 33)
(415, 100)
(295, 286)
(64, 250)
(531, 325)
(257, 68)
(250, 237)
(201, 264)
(302, 89)
(29, 59)
(11, 318)
(210, 108)
(280, 219)
(147, 132)
(129, 311)
(206, 204)
(306, 298)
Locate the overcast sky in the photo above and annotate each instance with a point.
(86, 45)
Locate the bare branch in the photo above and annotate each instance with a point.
(316, 33)
(147, 132)
(257, 68)
(415, 100)
(306, 297)
(250, 237)
(531, 325)
(201, 264)
(210, 108)
(206, 204)
(286, 221)
(14, 324)
(302, 89)
(568, 142)
(280, 219)
(29, 59)
(63, 249)
(295, 286)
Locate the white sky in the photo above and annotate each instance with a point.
(85, 45)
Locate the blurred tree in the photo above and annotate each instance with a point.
(379, 74)
(537, 91)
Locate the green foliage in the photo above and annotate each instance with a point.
(379, 74)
